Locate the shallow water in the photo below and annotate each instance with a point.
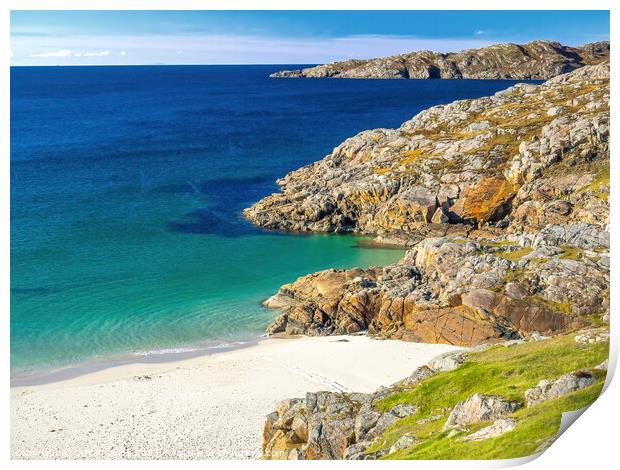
(127, 185)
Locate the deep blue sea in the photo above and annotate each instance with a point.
(127, 185)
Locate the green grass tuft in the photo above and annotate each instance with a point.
(515, 255)
(501, 370)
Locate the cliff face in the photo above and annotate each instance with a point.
(503, 200)
(537, 60)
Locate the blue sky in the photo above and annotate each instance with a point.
(278, 37)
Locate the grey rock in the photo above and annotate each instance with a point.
(418, 375)
(603, 365)
(498, 428)
(447, 361)
(365, 420)
(403, 410)
(403, 442)
(479, 408)
(547, 390)
(592, 336)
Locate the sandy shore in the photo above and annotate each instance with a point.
(207, 407)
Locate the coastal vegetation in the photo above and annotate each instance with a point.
(507, 371)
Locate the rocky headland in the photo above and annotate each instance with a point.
(537, 60)
(503, 205)
(503, 202)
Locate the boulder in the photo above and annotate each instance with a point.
(403, 410)
(488, 201)
(592, 336)
(568, 383)
(478, 408)
(421, 373)
(403, 442)
(498, 428)
(447, 361)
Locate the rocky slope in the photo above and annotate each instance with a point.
(503, 200)
(527, 156)
(537, 60)
(455, 291)
(503, 204)
(492, 402)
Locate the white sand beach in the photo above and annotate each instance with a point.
(207, 407)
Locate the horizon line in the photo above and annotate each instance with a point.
(158, 65)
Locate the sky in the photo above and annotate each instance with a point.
(278, 37)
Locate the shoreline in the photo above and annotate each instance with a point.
(46, 375)
(208, 406)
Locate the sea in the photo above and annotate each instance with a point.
(127, 190)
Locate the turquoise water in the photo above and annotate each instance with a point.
(127, 186)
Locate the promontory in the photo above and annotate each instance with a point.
(536, 60)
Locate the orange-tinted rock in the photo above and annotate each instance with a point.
(488, 201)
(524, 316)
(451, 326)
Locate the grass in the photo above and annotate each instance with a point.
(564, 306)
(410, 156)
(600, 183)
(571, 252)
(502, 370)
(536, 426)
(515, 255)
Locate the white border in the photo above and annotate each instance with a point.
(592, 443)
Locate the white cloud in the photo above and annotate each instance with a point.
(123, 53)
(479, 32)
(96, 54)
(61, 53)
(69, 53)
(226, 49)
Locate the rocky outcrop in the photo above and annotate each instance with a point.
(480, 408)
(503, 202)
(454, 291)
(528, 157)
(396, 419)
(547, 390)
(498, 428)
(592, 336)
(503, 205)
(537, 60)
(330, 425)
